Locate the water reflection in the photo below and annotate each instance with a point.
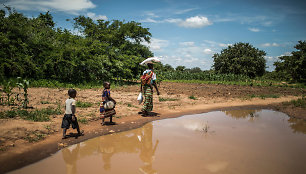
(177, 144)
(298, 125)
(70, 156)
(243, 114)
(135, 141)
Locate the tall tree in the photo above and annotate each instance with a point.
(293, 67)
(241, 58)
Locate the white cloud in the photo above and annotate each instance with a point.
(190, 59)
(286, 54)
(193, 22)
(215, 44)
(149, 20)
(254, 29)
(68, 6)
(157, 44)
(151, 14)
(184, 11)
(207, 51)
(187, 43)
(258, 20)
(271, 59)
(270, 45)
(224, 45)
(95, 17)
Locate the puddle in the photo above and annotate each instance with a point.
(246, 141)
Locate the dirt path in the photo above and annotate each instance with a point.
(176, 99)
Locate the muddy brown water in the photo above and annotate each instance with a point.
(236, 141)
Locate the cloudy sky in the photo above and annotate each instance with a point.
(189, 32)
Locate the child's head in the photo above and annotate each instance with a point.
(72, 93)
(106, 85)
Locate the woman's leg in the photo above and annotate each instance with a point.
(148, 102)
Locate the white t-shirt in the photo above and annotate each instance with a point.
(69, 102)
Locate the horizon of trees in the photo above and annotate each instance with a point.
(34, 48)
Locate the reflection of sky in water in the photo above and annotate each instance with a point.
(181, 145)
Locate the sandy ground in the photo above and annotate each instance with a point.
(16, 150)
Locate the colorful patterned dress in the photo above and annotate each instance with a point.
(103, 112)
(148, 94)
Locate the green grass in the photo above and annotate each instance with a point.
(85, 85)
(35, 136)
(192, 97)
(243, 83)
(44, 102)
(301, 102)
(264, 96)
(83, 120)
(35, 115)
(161, 99)
(48, 127)
(83, 104)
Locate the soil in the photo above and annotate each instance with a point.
(23, 142)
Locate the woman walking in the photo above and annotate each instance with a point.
(148, 80)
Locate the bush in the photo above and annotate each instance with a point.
(241, 58)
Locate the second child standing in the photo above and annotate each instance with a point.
(106, 97)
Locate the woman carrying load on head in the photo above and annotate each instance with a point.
(148, 80)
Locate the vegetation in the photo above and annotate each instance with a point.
(301, 102)
(34, 49)
(264, 96)
(83, 120)
(192, 97)
(293, 67)
(24, 84)
(35, 115)
(35, 136)
(161, 99)
(10, 98)
(83, 104)
(241, 58)
(103, 50)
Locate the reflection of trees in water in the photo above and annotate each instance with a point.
(298, 125)
(135, 141)
(242, 114)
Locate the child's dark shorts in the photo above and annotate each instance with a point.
(67, 120)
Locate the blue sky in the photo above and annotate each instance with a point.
(189, 32)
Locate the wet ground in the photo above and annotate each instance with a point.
(235, 141)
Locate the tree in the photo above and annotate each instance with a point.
(241, 58)
(180, 68)
(195, 70)
(293, 67)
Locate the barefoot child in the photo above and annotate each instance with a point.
(69, 117)
(106, 97)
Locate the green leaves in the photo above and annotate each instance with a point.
(99, 50)
(293, 67)
(241, 58)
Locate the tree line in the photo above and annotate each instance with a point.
(34, 48)
(103, 50)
